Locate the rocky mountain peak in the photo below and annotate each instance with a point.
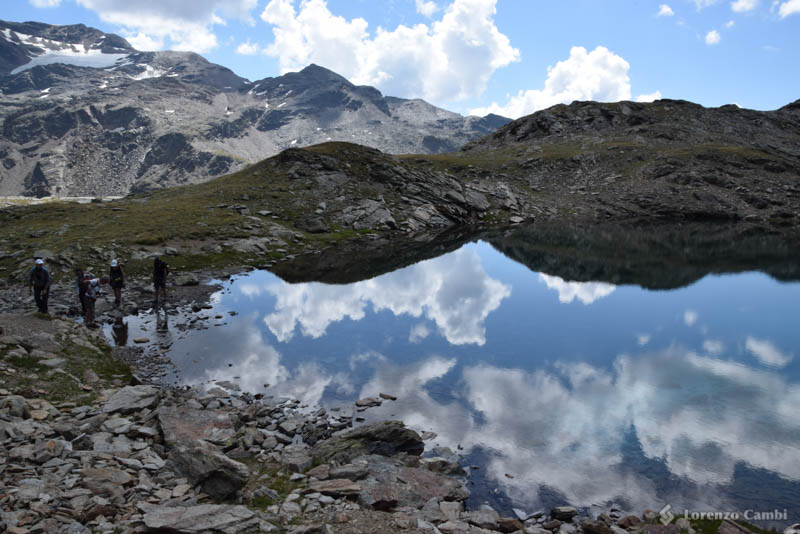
(83, 113)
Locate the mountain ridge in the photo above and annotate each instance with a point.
(112, 120)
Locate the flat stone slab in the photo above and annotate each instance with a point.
(181, 425)
(368, 402)
(132, 399)
(337, 487)
(230, 519)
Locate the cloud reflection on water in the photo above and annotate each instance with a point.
(567, 428)
(256, 363)
(453, 291)
(586, 292)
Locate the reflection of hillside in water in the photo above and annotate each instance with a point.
(651, 256)
(648, 255)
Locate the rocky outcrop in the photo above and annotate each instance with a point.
(387, 439)
(204, 465)
(669, 160)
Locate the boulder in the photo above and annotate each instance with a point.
(378, 495)
(594, 526)
(336, 487)
(219, 476)
(320, 472)
(454, 527)
(368, 402)
(509, 525)
(563, 513)
(202, 518)
(629, 522)
(355, 471)
(132, 399)
(423, 485)
(181, 424)
(313, 225)
(296, 458)
(385, 438)
(484, 518)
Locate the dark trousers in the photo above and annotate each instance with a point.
(40, 295)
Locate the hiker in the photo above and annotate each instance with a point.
(117, 281)
(92, 291)
(160, 272)
(79, 276)
(39, 282)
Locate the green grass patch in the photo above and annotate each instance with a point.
(28, 363)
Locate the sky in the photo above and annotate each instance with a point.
(510, 57)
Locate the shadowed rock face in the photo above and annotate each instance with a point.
(121, 120)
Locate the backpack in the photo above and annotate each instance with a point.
(116, 274)
(160, 269)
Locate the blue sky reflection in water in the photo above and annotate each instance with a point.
(583, 392)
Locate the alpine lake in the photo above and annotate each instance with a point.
(632, 368)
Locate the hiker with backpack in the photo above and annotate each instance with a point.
(81, 291)
(80, 276)
(91, 287)
(39, 281)
(117, 281)
(160, 272)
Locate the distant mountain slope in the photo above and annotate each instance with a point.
(83, 113)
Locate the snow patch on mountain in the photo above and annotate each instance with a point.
(61, 52)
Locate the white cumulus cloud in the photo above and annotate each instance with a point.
(767, 353)
(741, 6)
(248, 48)
(450, 59)
(426, 8)
(652, 97)
(597, 75)
(175, 24)
(790, 7)
(690, 317)
(713, 37)
(665, 11)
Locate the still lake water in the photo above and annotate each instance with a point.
(560, 392)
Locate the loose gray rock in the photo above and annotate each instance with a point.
(131, 399)
(181, 424)
(203, 518)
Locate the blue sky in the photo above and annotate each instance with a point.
(479, 56)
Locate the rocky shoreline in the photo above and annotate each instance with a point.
(146, 458)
